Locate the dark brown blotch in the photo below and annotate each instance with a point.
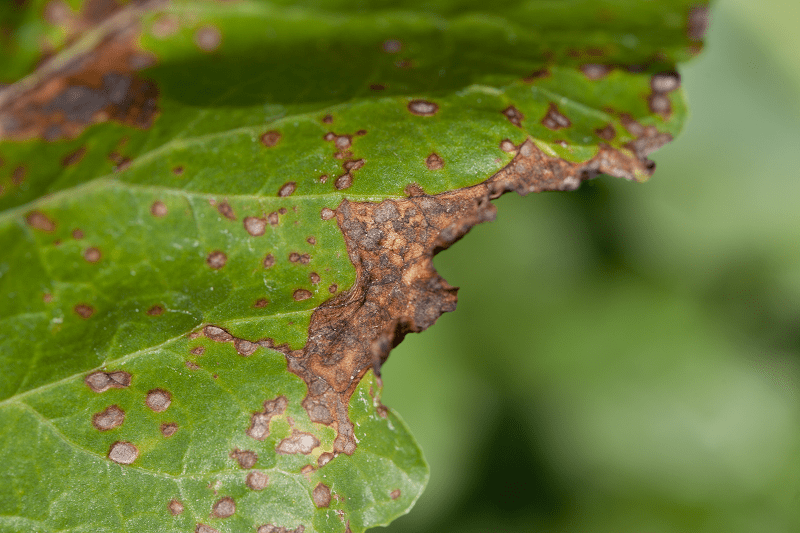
(259, 422)
(311, 240)
(392, 46)
(607, 133)
(217, 334)
(226, 210)
(177, 170)
(298, 442)
(102, 381)
(554, 120)
(321, 495)
(395, 494)
(514, 115)
(74, 158)
(344, 181)
(261, 302)
(423, 108)
(109, 418)
(269, 261)
(244, 347)
(175, 507)
(287, 189)
(168, 429)
(327, 119)
(156, 310)
(158, 400)
(434, 162)
(301, 294)
(377, 87)
(216, 259)
(40, 221)
(314, 277)
(198, 350)
(536, 75)
(270, 138)
(247, 459)
(84, 311)
(333, 288)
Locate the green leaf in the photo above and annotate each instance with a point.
(217, 220)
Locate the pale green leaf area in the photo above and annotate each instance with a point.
(120, 244)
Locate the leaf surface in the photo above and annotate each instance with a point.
(217, 220)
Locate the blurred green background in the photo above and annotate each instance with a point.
(627, 357)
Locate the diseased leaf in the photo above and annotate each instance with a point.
(218, 219)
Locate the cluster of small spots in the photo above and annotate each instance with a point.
(327, 213)
(422, 108)
(158, 209)
(554, 120)
(514, 115)
(434, 162)
(156, 310)
(295, 257)
(40, 221)
(168, 429)
(123, 453)
(259, 422)
(269, 528)
(255, 226)
(298, 442)
(395, 494)
(110, 418)
(246, 458)
(208, 38)
(261, 302)
(216, 259)
(301, 294)
(507, 146)
(92, 255)
(158, 400)
(257, 480)
(314, 278)
(73, 158)
(607, 133)
(269, 261)
(662, 84)
(287, 189)
(595, 71)
(102, 381)
(321, 495)
(84, 311)
(175, 507)
(226, 210)
(224, 508)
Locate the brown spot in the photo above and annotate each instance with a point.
(311, 240)
(168, 429)
(287, 189)
(224, 508)
(175, 507)
(217, 334)
(198, 350)
(353, 164)
(697, 23)
(38, 220)
(325, 458)
(404, 63)
(202, 528)
(177, 170)
(554, 120)
(648, 140)
(321, 495)
(307, 470)
(47, 297)
(323, 178)
(665, 82)
(395, 494)
(257, 480)
(75, 157)
(92, 255)
(216, 259)
(333, 288)
(158, 209)
(108, 419)
(659, 103)
(273, 219)
(102, 381)
(77, 234)
(294, 257)
(514, 115)
(507, 146)
(191, 366)
(208, 38)
(259, 422)
(327, 214)
(18, 176)
(84, 311)
(377, 87)
(255, 226)
(123, 164)
(607, 133)
(344, 181)
(244, 347)
(392, 46)
(361, 132)
(536, 75)
(327, 119)
(269, 261)
(158, 400)
(245, 458)
(156, 310)
(261, 302)
(594, 71)
(434, 162)
(314, 277)
(226, 210)
(422, 108)
(329, 136)
(123, 453)
(343, 142)
(298, 442)
(301, 294)
(270, 138)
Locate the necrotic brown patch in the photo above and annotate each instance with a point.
(554, 120)
(343, 142)
(327, 214)
(168, 429)
(217, 334)
(434, 162)
(301, 294)
(158, 209)
(156, 310)
(84, 311)
(74, 157)
(110, 418)
(377, 87)
(294, 257)
(270, 138)
(158, 400)
(257, 480)
(325, 458)
(261, 302)
(298, 442)
(216, 259)
(321, 495)
(423, 108)
(395, 494)
(208, 38)
(255, 226)
(224, 508)
(659, 103)
(311, 240)
(333, 288)
(269, 261)
(40, 221)
(175, 507)
(344, 181)
(226, 210)
(92, 255)
(287, 189)
(273, 219)
(202, 528)
(314, 278)
(102, 381)
(514, 115)
(123, 453)
(245, 347)
(198, 350)
(246, 458)
(259, 422)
